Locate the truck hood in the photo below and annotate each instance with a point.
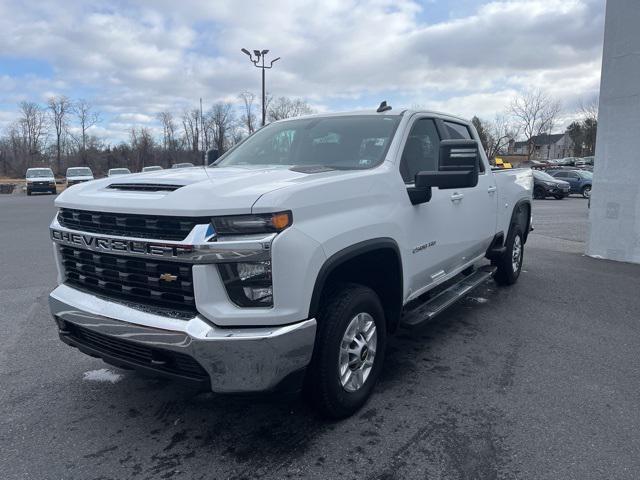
(187, 191)
(40, 179)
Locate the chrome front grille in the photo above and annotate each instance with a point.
(158, 227)
(139, 281)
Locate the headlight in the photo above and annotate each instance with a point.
(248, 284)
(247, 224)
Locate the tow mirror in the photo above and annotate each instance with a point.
(458, 166)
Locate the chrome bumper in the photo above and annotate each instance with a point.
(236, 360)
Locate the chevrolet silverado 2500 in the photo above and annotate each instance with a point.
(292, 257)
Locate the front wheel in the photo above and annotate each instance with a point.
(586, 191)
(349, 351)
(510, 263)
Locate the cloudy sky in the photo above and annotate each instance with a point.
(133, 59)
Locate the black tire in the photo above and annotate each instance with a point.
(539, 193)
(322, 384)
(507, 274)
(29, 192)
(586, 191)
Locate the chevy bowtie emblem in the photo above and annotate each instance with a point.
(168, 277)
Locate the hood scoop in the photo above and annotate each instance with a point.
(144, 187)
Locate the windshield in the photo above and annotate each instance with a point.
(349, 142)
(585, 174)
(78, 171)
(544, 176)
(39, 172)
(119, 171)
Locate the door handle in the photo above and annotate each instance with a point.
(491, 189)
(457, 196)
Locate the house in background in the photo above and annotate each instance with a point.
(545, 147)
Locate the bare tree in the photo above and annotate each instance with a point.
(87, 117)
(191, 126)
(248, 118)
(589, 110)
(496, 135)
(142, 145)
(59, 108)
(168, 130)
(221, 121)
(534, 113)
(500, 133)
(284, 107)
(33, 123)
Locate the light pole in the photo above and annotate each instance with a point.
(260, 54)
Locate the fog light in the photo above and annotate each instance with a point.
(259, 294)
(248, 284)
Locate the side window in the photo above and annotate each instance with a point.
(421, 150)
(457, 130)
(561, 175)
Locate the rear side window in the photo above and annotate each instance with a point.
(421, 150)
(560, 174)
(457, 130)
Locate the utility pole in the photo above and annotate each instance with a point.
(259, 56)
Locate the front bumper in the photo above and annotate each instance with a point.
(41, 187)
(236, 360)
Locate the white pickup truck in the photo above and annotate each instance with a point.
(290, 259)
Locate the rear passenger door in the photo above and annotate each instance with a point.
(475, 209)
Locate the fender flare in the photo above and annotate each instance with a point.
(346, 254)
(516, 207)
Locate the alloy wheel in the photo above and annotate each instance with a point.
(357, 352)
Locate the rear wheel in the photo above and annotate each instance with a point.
(586, 191)
(538, 193)
(349, 351)
(510, 263)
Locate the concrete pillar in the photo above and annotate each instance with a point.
(615, 202)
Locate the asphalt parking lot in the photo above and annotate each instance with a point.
(537, 381)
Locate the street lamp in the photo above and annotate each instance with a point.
(260, 54)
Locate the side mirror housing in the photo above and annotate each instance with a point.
(458, 166)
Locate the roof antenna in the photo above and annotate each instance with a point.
(383, 107)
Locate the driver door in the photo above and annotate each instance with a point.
(431, 248)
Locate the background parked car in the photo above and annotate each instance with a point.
(579, 180)
(40, 180)
(78, 175)
(183, 165)
(118, 171)
(151, 168)
(544, 185)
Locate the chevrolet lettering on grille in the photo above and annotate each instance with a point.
(101, 244)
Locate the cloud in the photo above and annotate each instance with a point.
(134, 59)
